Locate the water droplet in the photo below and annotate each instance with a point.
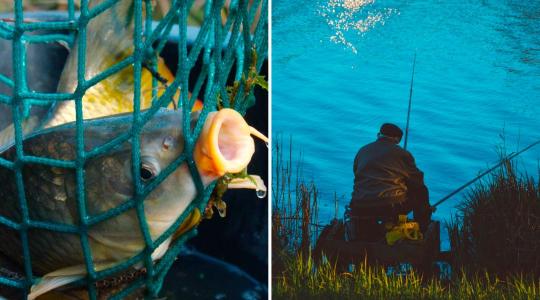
(222, 212)
(261, 193)
(267, 146)
(221, 207)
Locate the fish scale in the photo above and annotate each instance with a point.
(106, 185)
(113, 95)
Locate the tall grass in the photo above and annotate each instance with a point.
(294, 207)
(497, 227)
(303, 279)
(494, 242)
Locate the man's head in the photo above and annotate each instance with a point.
(390, 131)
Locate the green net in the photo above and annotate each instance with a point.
(231, 43)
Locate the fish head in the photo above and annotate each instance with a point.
(224, 145)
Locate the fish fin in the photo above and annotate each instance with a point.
(114, 94)
(197, 106)
(50, 283)
(7, 135)
(161, 250)
(64, 44)
(109, 40)
(191, 221)
(62, 277)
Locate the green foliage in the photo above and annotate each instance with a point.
(216, 199)
(243, 88)
(304, 279)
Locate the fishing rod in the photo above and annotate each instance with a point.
(503, 160)
(410, 102)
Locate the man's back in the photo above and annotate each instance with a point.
(383, 173)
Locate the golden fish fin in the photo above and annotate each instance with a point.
(191, 221)
(61, 278)
(197, 106)
(165, 78)
(164, 71)
(109, 40)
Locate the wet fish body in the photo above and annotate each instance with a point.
(224, 146)
(52, 197)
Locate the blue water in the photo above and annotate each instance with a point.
(341, 68)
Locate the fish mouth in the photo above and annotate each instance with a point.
(225, 144)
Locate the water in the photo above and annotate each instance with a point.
(198, 276)
(342, 68)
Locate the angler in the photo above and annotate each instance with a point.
(387, 183)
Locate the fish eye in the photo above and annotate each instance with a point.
(168, 142)
(146, 172)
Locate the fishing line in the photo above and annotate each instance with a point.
(410, 102)
(505, 159)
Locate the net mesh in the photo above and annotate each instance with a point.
(226, 50)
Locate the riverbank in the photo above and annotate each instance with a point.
(494, 235)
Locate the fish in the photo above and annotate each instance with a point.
(225, 145)
(109, 40)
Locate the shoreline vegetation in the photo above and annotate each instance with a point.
(494, 237)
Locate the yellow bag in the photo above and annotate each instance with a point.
(403, 230)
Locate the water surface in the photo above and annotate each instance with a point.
(341, 68)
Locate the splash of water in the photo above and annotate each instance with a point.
(347, 17)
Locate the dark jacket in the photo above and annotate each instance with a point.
(383, 172)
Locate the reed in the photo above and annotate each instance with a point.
(497, 226)
(294, 207)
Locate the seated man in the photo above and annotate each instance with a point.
(387, 183)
